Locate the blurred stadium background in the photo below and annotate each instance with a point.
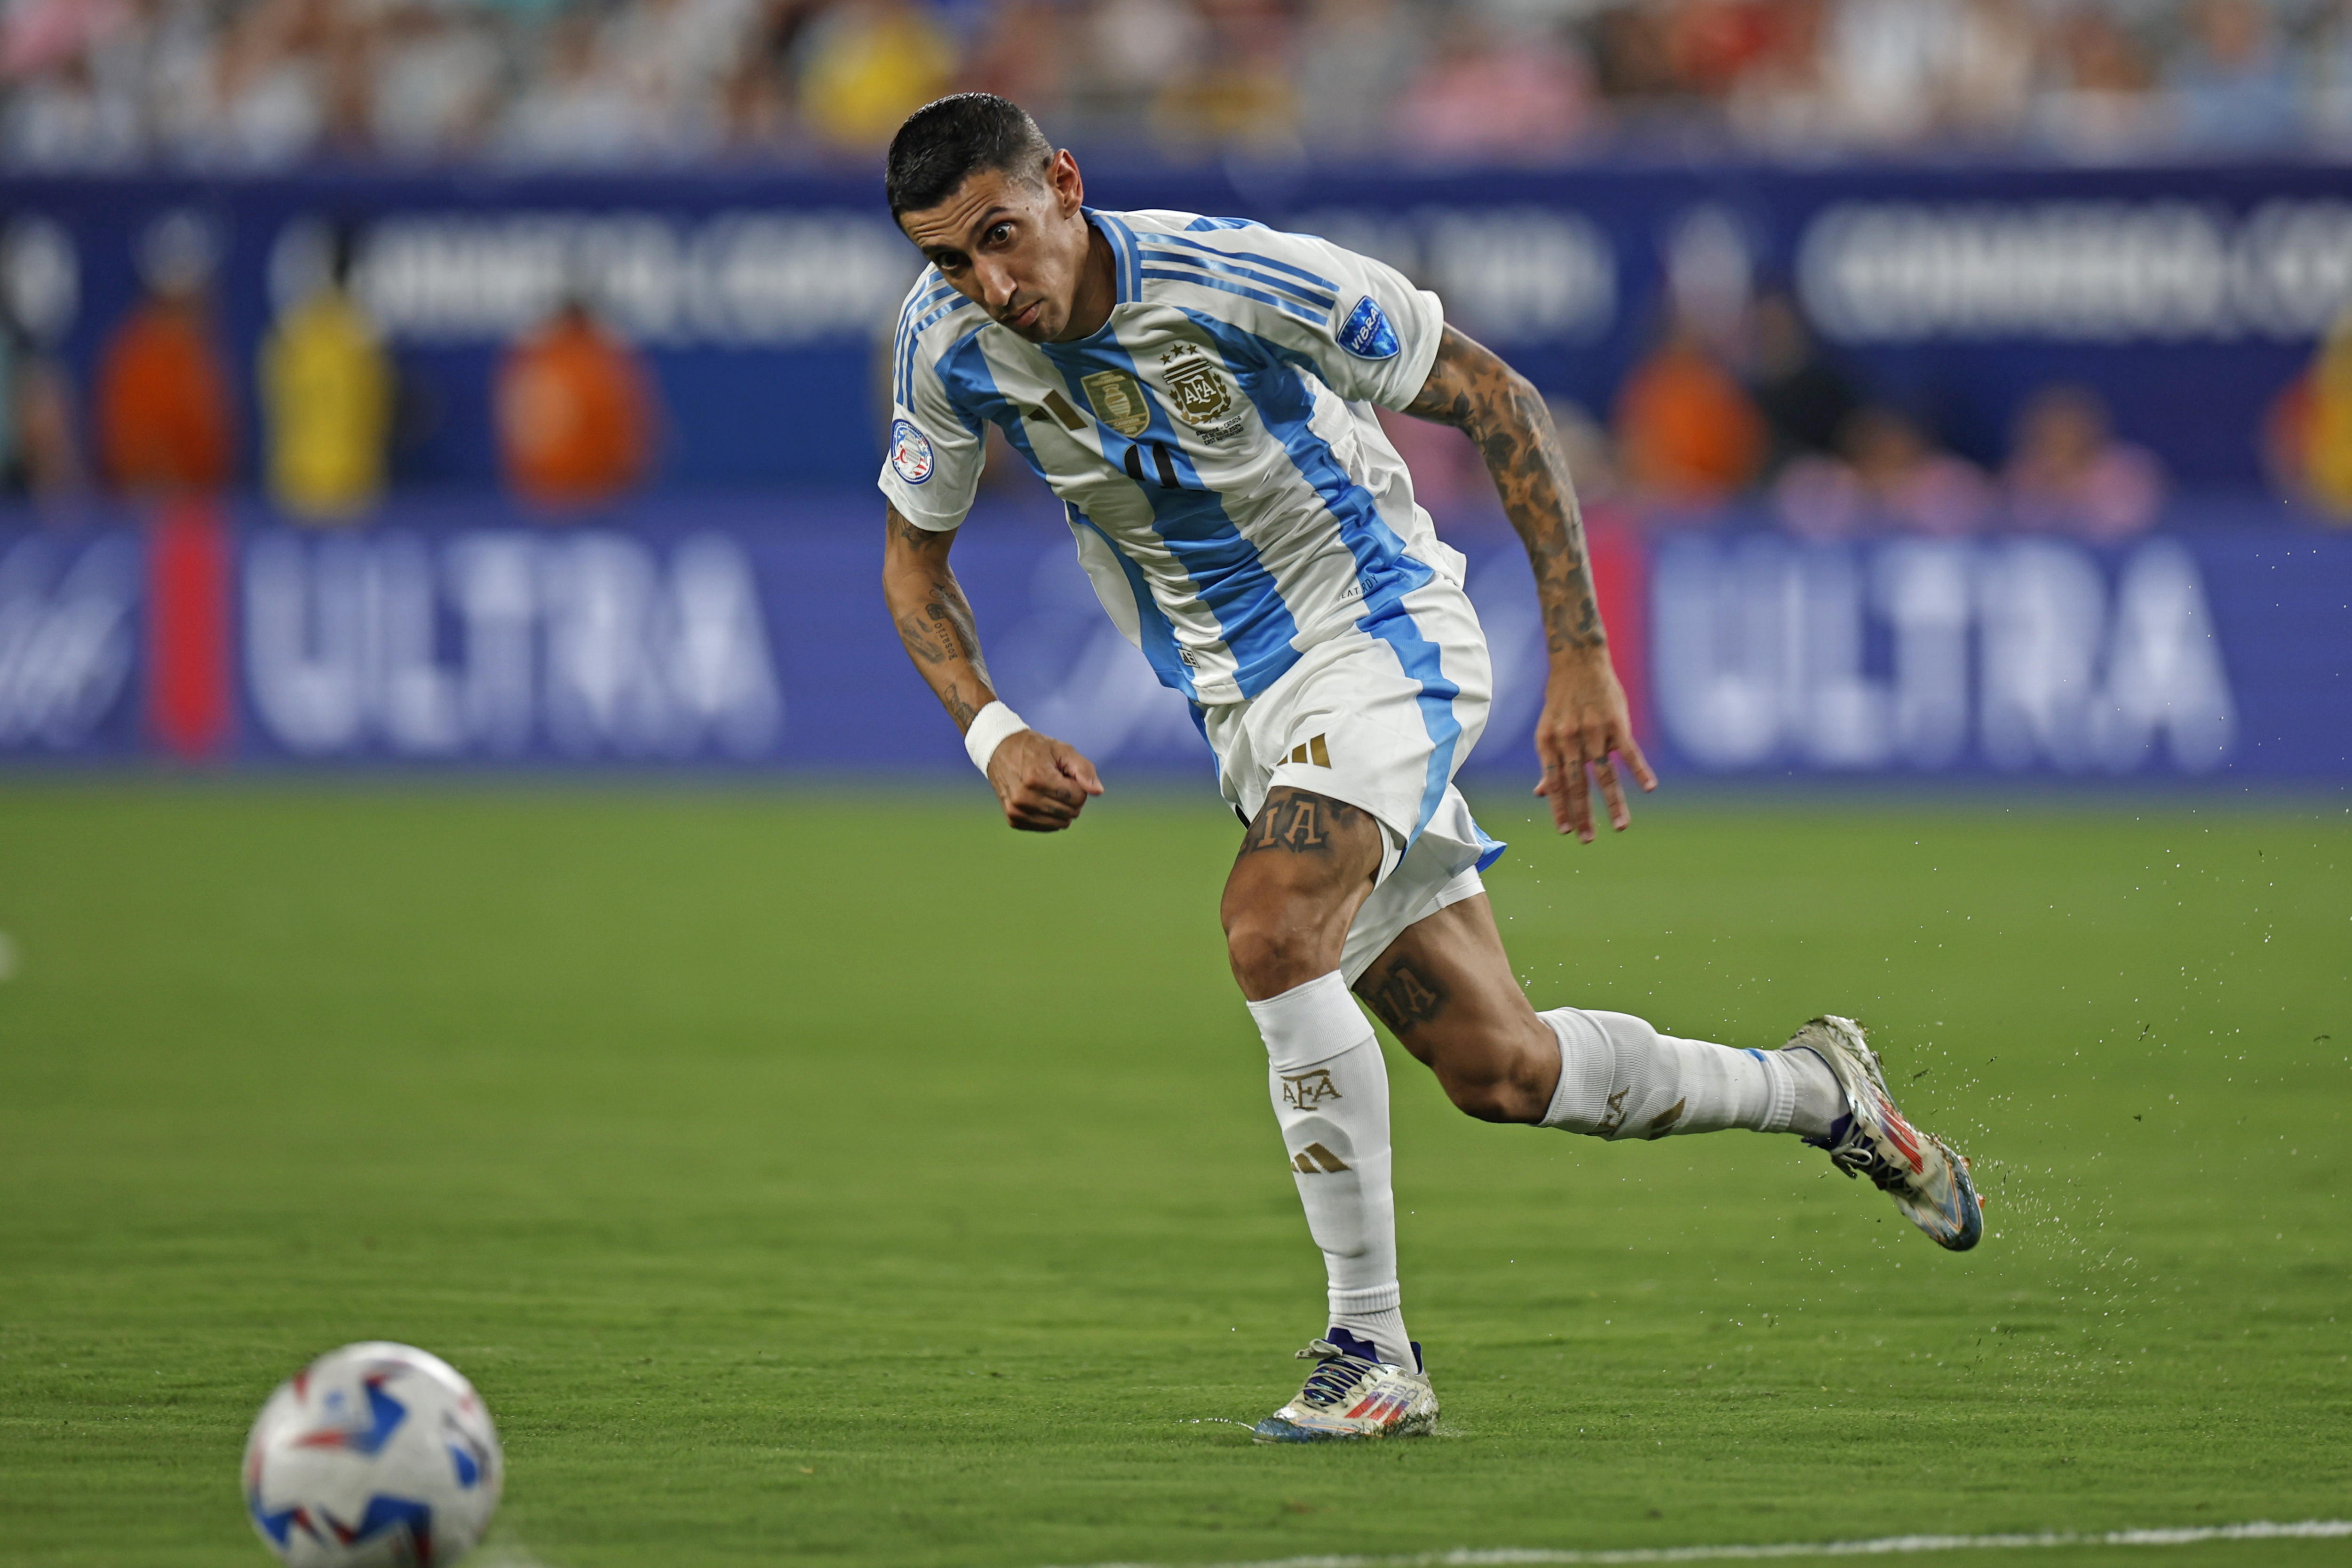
(403, 391)
(1957, 386)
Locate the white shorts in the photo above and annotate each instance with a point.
(1381, 717)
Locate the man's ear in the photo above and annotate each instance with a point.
(1069, 185)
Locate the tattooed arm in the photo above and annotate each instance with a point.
(1040, 782)
(1584, 719)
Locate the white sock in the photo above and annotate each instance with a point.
(1821, 1103)
(1620, 1078)
(1330, 1092)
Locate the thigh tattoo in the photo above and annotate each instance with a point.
(1300, 823)
(1406, 998)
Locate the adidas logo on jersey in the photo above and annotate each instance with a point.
(1313, 751)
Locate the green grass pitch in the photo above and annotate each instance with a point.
(839, 1179)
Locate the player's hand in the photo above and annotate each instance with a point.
(1042, 782)
(1584, 723)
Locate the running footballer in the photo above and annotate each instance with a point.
(1199, 393)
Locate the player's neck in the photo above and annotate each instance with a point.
(1097, 290)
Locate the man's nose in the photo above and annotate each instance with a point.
(996, 286)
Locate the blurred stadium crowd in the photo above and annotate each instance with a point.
(94, 84)
(1749, 411)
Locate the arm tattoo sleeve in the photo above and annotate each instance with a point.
(1472, 390)
(934, 619)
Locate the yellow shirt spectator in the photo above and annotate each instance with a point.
(874, 63)
(326, 389)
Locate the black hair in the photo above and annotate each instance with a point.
(948, 141)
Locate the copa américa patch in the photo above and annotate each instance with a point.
(1366, 334)
(910, 452)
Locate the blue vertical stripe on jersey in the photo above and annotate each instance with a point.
(1201, 225)
(1384, 570)
(1152, 626)
(1123, 245)
(964, 371)
(933, 315)
(1252, 618)
(918, 303)
(972, 392)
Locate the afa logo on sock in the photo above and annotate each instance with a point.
(1308, 1090)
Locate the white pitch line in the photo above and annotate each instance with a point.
(1884, 1546)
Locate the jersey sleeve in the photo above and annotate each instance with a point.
(931, 468)
(1382, 333)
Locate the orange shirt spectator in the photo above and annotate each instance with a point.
(163, 422)
(575, 417)
(1686, 431)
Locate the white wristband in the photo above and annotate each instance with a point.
(990, 728)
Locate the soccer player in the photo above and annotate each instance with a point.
(1199, 393)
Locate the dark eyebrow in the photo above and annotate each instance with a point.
(988, 220)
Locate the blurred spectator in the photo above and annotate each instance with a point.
(1686, 432)
(38, 454)
(576, 110)
(869, 64)
(2101, 103)
(1239, 94)
(1132, 48)
(102, 83)
(61, 120)
(437, 75)
(576, 414)
(163, 413)
(1885, 60)
(1889, 474)
(326, 400)
(1498, 95)
(1356, 57)
(1804, 399)
(2309, 430)
(2234, 90)
(1778, 100)
(1024, 53)
(2067, 472)
(1987, 81)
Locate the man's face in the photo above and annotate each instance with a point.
(1017, 246)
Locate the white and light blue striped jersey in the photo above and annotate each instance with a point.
(1213, 446)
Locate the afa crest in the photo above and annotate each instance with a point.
(1199, 390)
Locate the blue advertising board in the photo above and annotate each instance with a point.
(751, 634)
(2188, 296)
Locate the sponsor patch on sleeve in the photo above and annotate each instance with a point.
(1366, 334)
(910, 452)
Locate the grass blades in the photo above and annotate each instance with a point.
(837, 1178)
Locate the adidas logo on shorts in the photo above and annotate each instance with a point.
(1312, 751)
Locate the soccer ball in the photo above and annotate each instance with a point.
(374, 1455)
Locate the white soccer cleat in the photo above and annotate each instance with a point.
(1927, 1179)
(1352, 1394)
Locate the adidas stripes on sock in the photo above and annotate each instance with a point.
(1330, 1093)
(1620, 1078)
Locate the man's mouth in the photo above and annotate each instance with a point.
(1026, 317)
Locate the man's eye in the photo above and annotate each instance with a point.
(999, 234)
